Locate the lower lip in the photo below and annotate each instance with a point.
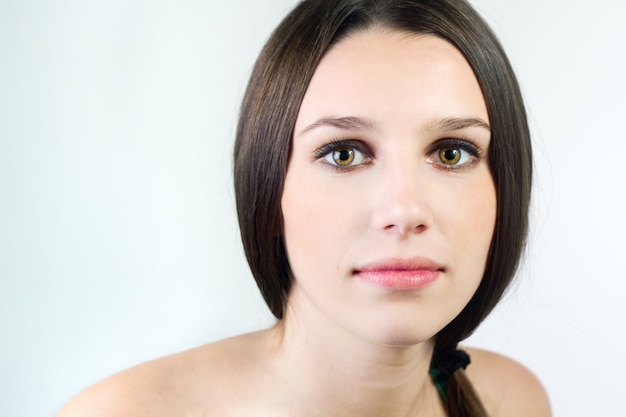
(400, 279)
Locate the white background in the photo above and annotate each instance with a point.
(118, 237)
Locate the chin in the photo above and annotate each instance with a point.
(405, 327)
(402, 334)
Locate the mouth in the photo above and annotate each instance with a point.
(400, 274)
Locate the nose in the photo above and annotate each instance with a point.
(401, 203)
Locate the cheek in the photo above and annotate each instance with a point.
(471, 205)
(475, 228)
(467, 226)
(318, 213)
(467, 221)
(482, 211)
(312, 221)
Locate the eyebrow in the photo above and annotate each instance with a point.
(343, 123)
(456, 123)
(446, 124)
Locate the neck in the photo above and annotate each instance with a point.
(329, 371)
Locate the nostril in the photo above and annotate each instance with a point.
(405, 229)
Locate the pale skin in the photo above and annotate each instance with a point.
(394, 187)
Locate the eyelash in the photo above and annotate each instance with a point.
(464, 144)
(338, 144)
(475, 153)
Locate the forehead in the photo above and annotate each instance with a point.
(393, 73)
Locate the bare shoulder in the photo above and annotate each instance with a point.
(507, 388)
(195, 382)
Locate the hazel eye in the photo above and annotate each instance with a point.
(344, 156)
(452, 156)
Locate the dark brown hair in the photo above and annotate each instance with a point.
(268, 114)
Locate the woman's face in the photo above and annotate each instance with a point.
(389, 205)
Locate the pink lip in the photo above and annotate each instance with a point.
(400, 274)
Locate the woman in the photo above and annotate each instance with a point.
(382, 174)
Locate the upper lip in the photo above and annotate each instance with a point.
(400, 264)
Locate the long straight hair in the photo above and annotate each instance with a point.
(271, 103)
